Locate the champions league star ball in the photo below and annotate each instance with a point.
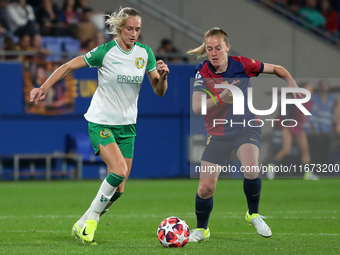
(173, 232)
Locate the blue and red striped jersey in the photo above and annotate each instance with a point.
(239, 68)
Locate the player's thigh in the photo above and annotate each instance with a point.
(113, 158)
(303, 142)
(215, 154)
(100, 134)
(248, 154)
(126, 146)
(287, 140)
(104, 143)
(216, 150)
(247, 147)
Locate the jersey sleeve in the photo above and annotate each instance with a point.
(199, 82)
(94, 58)
(252, 67)
(151, 65)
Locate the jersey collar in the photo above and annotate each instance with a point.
(125, 52)
(211, 67)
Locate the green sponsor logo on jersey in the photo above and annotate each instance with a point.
(129, 79)
(117, 63)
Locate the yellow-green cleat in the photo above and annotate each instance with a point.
(310, 176)
(76, 230)
(199, 235)
(257, 221)
(87, 232)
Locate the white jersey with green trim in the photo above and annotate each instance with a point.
(120, 76)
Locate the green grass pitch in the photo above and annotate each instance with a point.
(36, 217)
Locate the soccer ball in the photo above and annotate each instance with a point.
(173, 232)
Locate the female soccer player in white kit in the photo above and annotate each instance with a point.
(112, 114)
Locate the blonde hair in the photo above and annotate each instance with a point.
(117, 20)
(201, 50)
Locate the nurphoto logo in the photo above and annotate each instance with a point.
(238, 104)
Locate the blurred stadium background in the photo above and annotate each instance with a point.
(50, 141)
(53, 136)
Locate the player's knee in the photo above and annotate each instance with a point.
(251, 164)
(251, 175)
(251, 170)
(206, 190)
(119, 169)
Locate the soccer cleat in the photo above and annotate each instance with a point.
(270, 173)
(87, 232)
(310, 176)
(76, 230)
(257, 221)
(199, 235)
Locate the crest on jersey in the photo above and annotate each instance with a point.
(198, 75)
(229, 98)
(105, 133)
(140, 62)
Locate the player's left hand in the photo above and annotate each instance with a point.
(162, 68)
(292, 84)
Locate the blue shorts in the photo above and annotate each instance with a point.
(218, 148)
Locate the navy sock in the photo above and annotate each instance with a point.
(203, 209)
(252, 190)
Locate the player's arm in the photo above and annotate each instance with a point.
(282, 72)
(337, 117)
(40, 93)
(197, 100)
(158, 78)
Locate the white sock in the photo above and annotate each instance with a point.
(82, 220)
(99, 203)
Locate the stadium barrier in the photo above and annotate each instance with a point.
(48, 173)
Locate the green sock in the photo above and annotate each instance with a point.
(113, 199)
(115, 196)
(114, 179)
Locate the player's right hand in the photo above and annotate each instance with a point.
(37, 94)
(227, 93)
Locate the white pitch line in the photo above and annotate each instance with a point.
(38, 216)
(35, 231)
(278, 233)
(133, 231)
(225, 215)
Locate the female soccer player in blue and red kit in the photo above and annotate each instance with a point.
(223, 138)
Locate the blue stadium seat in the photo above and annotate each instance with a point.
(46, 39)
(54, 45)
(71, 46)
(80, 143)
(15, 39)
